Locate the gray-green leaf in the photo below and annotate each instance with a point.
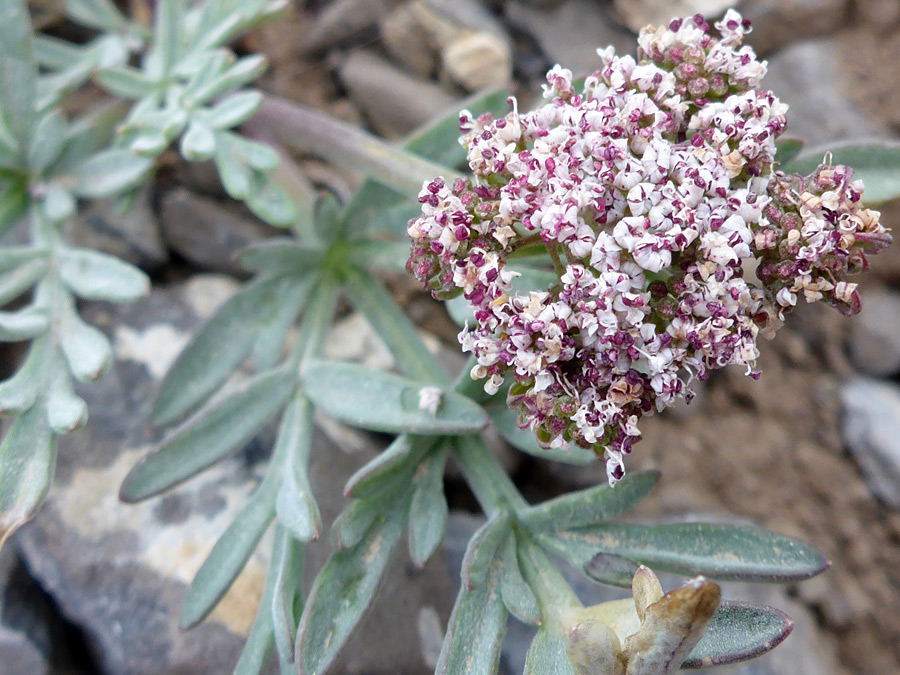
(228, 557)
(739, 631)
(719, 551)
(97, 276)
(517, 594)
(210, 435)
(343, 589)
(428, 510)
(296, 506)
(27, 459)
(380, 401)
(218, 349)
(591, 506)
(109, 172)
(504, 420)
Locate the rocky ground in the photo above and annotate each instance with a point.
(813, 449)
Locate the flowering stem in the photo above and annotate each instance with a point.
(553, 250)
(297, 126)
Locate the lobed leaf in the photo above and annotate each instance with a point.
(198, 143)
(611, 569)
(47, 142)
(97, 276)
(280, 254)
(343, 590)
(287, 565)
(296, 506)
(18, 72)
(66, 411)
(382, 401)
(517, 595)
(233, 110)
(86, 349)
(876, 163)
(100, 14)
(428, 510)
(739, 631)
(274, 328)
(591, 506)
(27, 460)
(222, 427)
(727, 552)
(125, 82)
(21, 274)
(23, 324)
(109, 172)
(505, 423)
(477, 624)
(229, 555)
(403, 452)
(218, 348)
(547, 654)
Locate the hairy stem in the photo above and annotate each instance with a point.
(297, 126)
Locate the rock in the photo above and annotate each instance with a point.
(344, 21)
(571, 33)
(132, 234)
(874, 336)
(871, 430)
(777, 23)
(208, 234)
(639, 13)
(394, 102)
(806, 76)
(470, 45)
(120, 572)
(24, 620)
(879, 15)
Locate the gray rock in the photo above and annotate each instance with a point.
(120, 572)
(777, 23)
(805, 76)
(571, 33)
(206, 233)
(874, 339)
(394, 102)
(639, 13)
(132, 234)
(24, 620)
(344, 21)
(871, 429)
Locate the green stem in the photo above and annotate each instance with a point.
(553, 250)
(492, 486)
(555, 597)
(317, 320)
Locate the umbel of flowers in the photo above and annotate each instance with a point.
(676, 240)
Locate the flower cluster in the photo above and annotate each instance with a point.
(654, 191)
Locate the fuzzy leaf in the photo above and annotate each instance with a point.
(244, 71)
(231, 111)
(280, 254)
(611, 569)
(287, 565)
(591, 506)
(66, 411)
(727, 552)
(229, 556)
(504, 420)
(739, 631)
(515, 591)
(18, 71)
(87, 350)
(787, 149)
(274, 328)
(198, 143)
(381, 255)
(403, 452)
(16, 280)
(484, 546)
(100, 14)
(23, 325)
(218, 349)
(547, 655)
(393, 326)
(478, 623)
(439, 140)
(343, 590)
(876, 163)
(125, 82)
(109, 172)
(258, 646)
(49, 135)
(296, 505)
(27, 459)
(269, 201)
(59, 204)
(97, 276)
(428, 510)
(382, 401)
(210, 435)
(169, 32)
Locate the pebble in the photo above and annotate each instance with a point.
(871, 429)
(777, 23)
(874, 335)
